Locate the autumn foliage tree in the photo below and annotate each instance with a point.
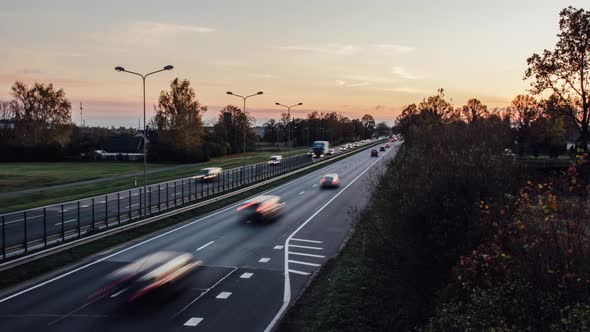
(565, 71)
(41, 114)
(179, 120)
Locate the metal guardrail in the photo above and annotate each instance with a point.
(49, 226)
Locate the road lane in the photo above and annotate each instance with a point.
(236, 246)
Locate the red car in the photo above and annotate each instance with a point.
(374, 153)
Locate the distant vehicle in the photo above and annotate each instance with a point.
(356, 145)
(374, 153)
(330, 152)
(363, 141)
(343, 148)
(387, 145)
(261, 209)
(320, 148)
(382, 148)
(148, 274)
(209, 173)
(310, 152)
(275, 160)
(330, 181)
(349, 146)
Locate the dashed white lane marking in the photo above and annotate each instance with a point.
(264, 260)
(303, 263)
(223, 295)
(315, 185)
(131, 205)
(66, 222)
(305, 247)
(84, 206)
(301, 193)
(19, 220)
(278, 247)
(205, 245)
(246, 275)
(299, 272)
(303, 254)
(310, 241)
(119, 293)
(193, 321)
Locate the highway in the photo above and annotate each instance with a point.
(251, 272)
(58, 222)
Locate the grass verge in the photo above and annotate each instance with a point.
(41, 198)
(55, 261)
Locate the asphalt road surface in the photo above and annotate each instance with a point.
(251, 272)
(63, 221)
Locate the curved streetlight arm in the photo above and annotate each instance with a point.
(157, 71)
(134, 73)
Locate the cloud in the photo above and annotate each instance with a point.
(401, 72)
(332, 49)
(162, 27)
(341, 82)
(261, 75)
(395, 48)
(403, 90)
(29, 71)
(370, 79)
(356, 85)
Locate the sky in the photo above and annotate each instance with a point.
(352, 57)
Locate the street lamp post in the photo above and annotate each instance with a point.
(143, 77)
(288, 129)
(246, 119)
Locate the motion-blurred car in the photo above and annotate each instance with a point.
(374, 153)
(275, 160)
(148, 274)
(262, 208)
(330, 181)
(382, 148)
(343, 148)
(209, 173)
(330, 152)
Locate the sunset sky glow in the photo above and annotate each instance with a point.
(353, 57)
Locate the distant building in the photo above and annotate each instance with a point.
(122, 148)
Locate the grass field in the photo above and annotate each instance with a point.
(21, 176)
(30, 200)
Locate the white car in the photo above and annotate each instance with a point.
(275, 160)
(209, 173)
(330, 151)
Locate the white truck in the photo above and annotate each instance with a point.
(320, 148)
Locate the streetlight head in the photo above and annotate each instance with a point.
(119, 68)
(259, 93)
(169, 67)
(278, 104)
(299, 104)
(229, 93)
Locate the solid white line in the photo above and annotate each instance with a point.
(264, 260)
(304, 254)
(119, 293)
(299, 272)
(305, 247)
(287, 284)
(246, 275)
(193, 321)
(303, 263)
(203, 246)
(223, 295)
(310, 241)
(231, 207)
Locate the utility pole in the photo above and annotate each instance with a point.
(81, 117)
